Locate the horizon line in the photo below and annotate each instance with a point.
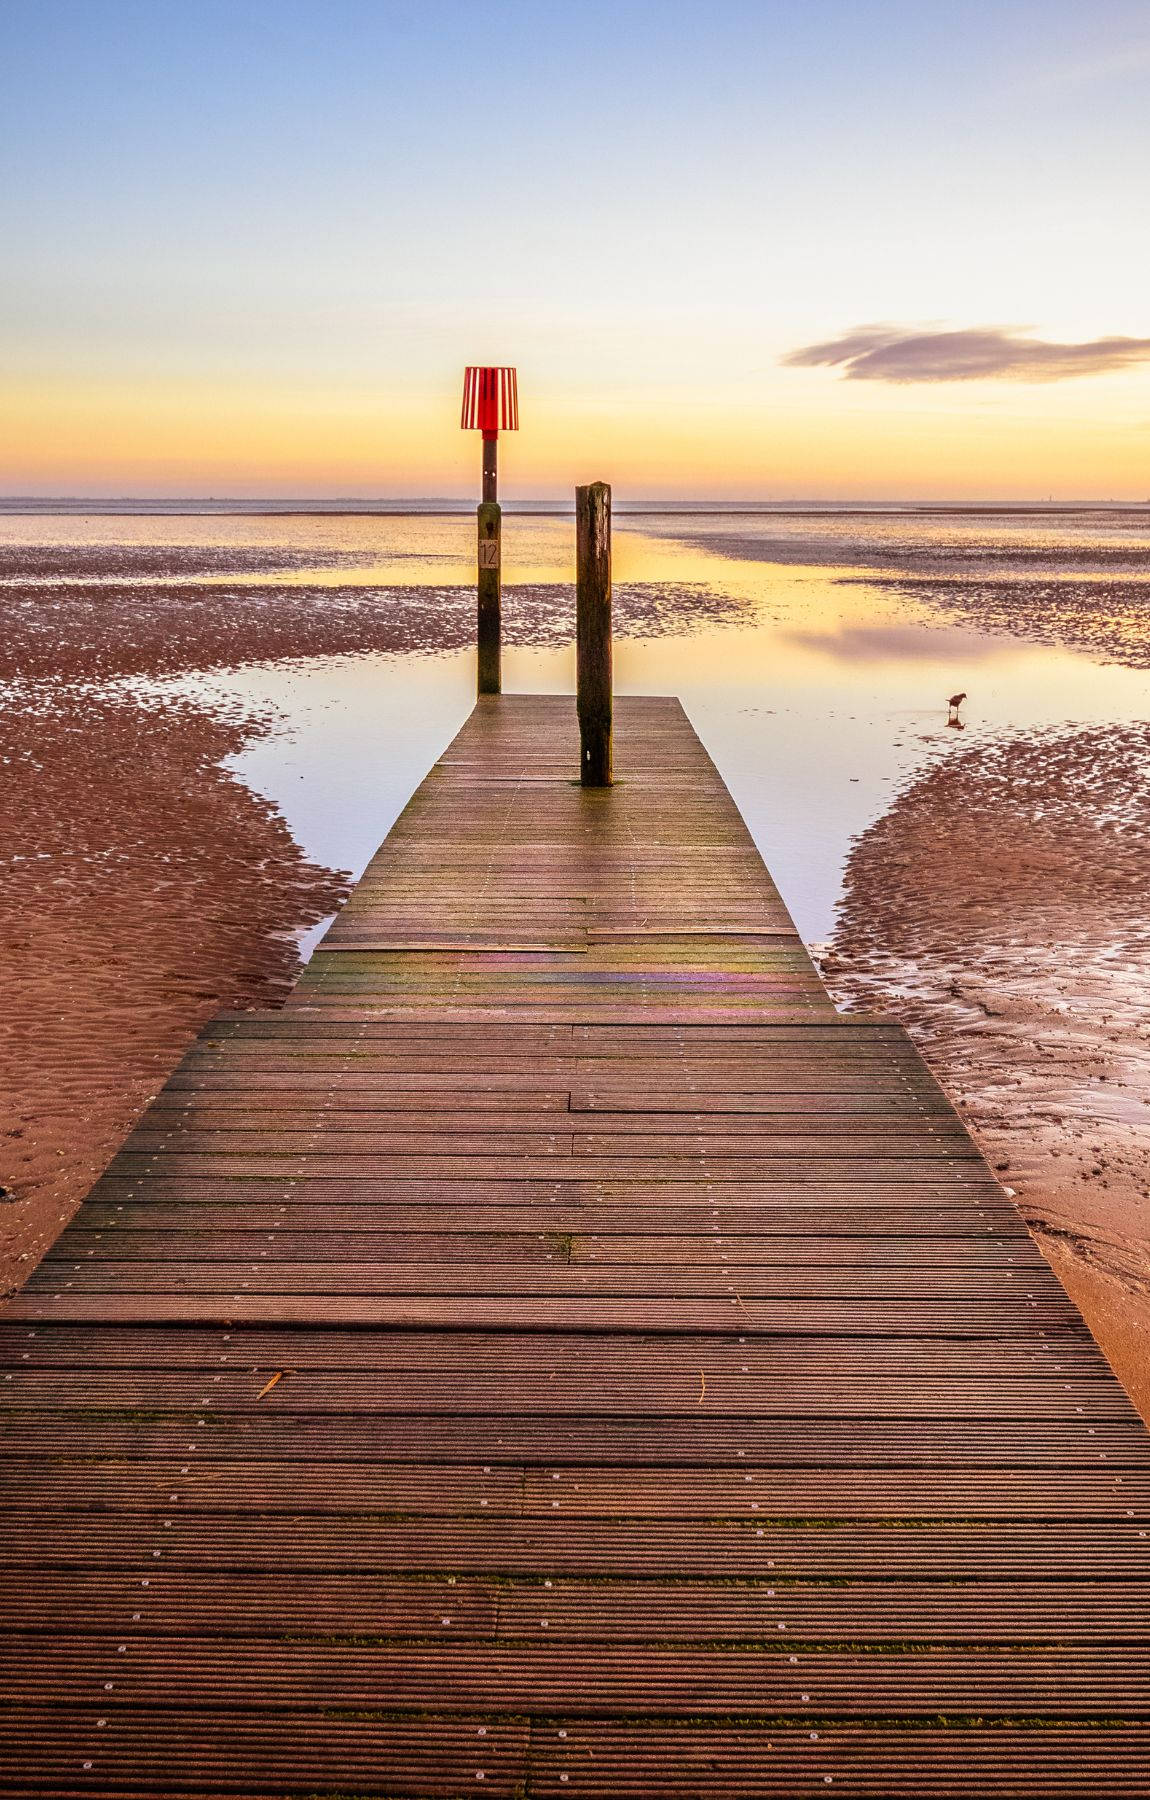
(453, 504)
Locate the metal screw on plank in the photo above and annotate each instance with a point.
(490, 405)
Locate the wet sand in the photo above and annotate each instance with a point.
(1001, 910)
(84, 632)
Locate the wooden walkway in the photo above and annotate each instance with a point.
(558, 1355)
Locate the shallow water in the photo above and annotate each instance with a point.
(819, 688)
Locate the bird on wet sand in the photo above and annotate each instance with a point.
(954, 703)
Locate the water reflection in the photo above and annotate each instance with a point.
(858, 643)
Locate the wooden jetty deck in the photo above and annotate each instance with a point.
(559, 1355)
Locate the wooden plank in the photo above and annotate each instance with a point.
(207, 1238)
(544, 1548)
(959, 1446)
(297, 1752)
(228, 1750)
(183, 1602)
(583, 1680)
(745, 1760)
(854, 1317)
(561, 1277)
(456, 1164)
(1065, 1359)
(833, 1392)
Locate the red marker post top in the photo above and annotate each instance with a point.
(490, 401)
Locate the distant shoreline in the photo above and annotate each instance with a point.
(128, 506)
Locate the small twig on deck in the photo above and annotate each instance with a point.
(268, 1386)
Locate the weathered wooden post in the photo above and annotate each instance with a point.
(490, 405)
(490, 625)
(593, 632)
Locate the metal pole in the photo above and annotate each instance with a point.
(490, 465)
(593, 631)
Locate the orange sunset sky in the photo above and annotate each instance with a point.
(249, 250)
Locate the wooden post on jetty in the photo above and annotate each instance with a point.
(593, 632)
(490, 542)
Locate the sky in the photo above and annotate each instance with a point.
(838, 249)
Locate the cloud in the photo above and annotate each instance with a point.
(892, 353)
